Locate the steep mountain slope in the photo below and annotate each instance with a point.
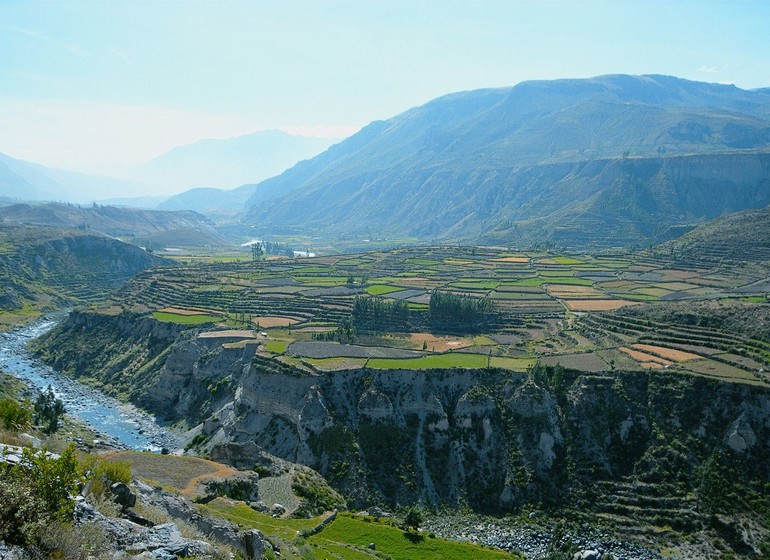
(229, 162)
(470, 163)
(23, 180)
(144, 227)
(740, 236)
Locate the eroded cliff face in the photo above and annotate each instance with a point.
(490, 439)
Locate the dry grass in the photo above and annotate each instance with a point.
(182, 474)
(667, 353)
(336, 364)
(274, 321)
(512, 259)
(439, 343)
(644, 359)
(228, 334)
(597, 304)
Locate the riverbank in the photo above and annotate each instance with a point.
(118, 425)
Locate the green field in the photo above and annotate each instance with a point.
(276, 346)
(381, 289)
(399, 544)
(436, 361)
(348, 537)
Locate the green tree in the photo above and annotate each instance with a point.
(413, 518)
(48, 410)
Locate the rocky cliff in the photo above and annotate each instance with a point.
(491, 439)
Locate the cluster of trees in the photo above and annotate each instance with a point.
(345, 332)
(271, 248)
(457, 311)
(47, 410)
(275, 248)
(377, 313)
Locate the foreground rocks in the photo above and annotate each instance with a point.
(133, 535)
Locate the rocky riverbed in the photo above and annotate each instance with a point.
(538, 538)
(120, 425)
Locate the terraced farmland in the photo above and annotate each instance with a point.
(575, 310)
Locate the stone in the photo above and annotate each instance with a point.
(122, 495)
(587, 555)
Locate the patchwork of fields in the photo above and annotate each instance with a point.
(569, 310)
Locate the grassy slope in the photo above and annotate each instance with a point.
(351, 530)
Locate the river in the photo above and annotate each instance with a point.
(121, 425)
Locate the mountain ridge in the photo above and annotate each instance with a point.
(455, 146)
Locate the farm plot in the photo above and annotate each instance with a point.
(382, 289)
(574, 292)
(667, 353)
(317, 349)
(646, 360)
(268, 321)
(439, 343)
(185, 319)
(187, 311)
(433, 361)
(585, 361)
(406, 294)
(726, 372)
(597, 304)
(228, 334)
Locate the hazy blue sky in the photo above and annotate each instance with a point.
(87, 84)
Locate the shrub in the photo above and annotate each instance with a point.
(102, 473)
(14, 415)
(35, 494)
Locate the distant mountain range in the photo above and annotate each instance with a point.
(24, 180)
(209, 163)
(225, 164)
(606, 161)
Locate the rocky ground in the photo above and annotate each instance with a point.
(537, 538)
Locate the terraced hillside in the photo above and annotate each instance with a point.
(737, 237)
(553, 308)
(45, 268)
